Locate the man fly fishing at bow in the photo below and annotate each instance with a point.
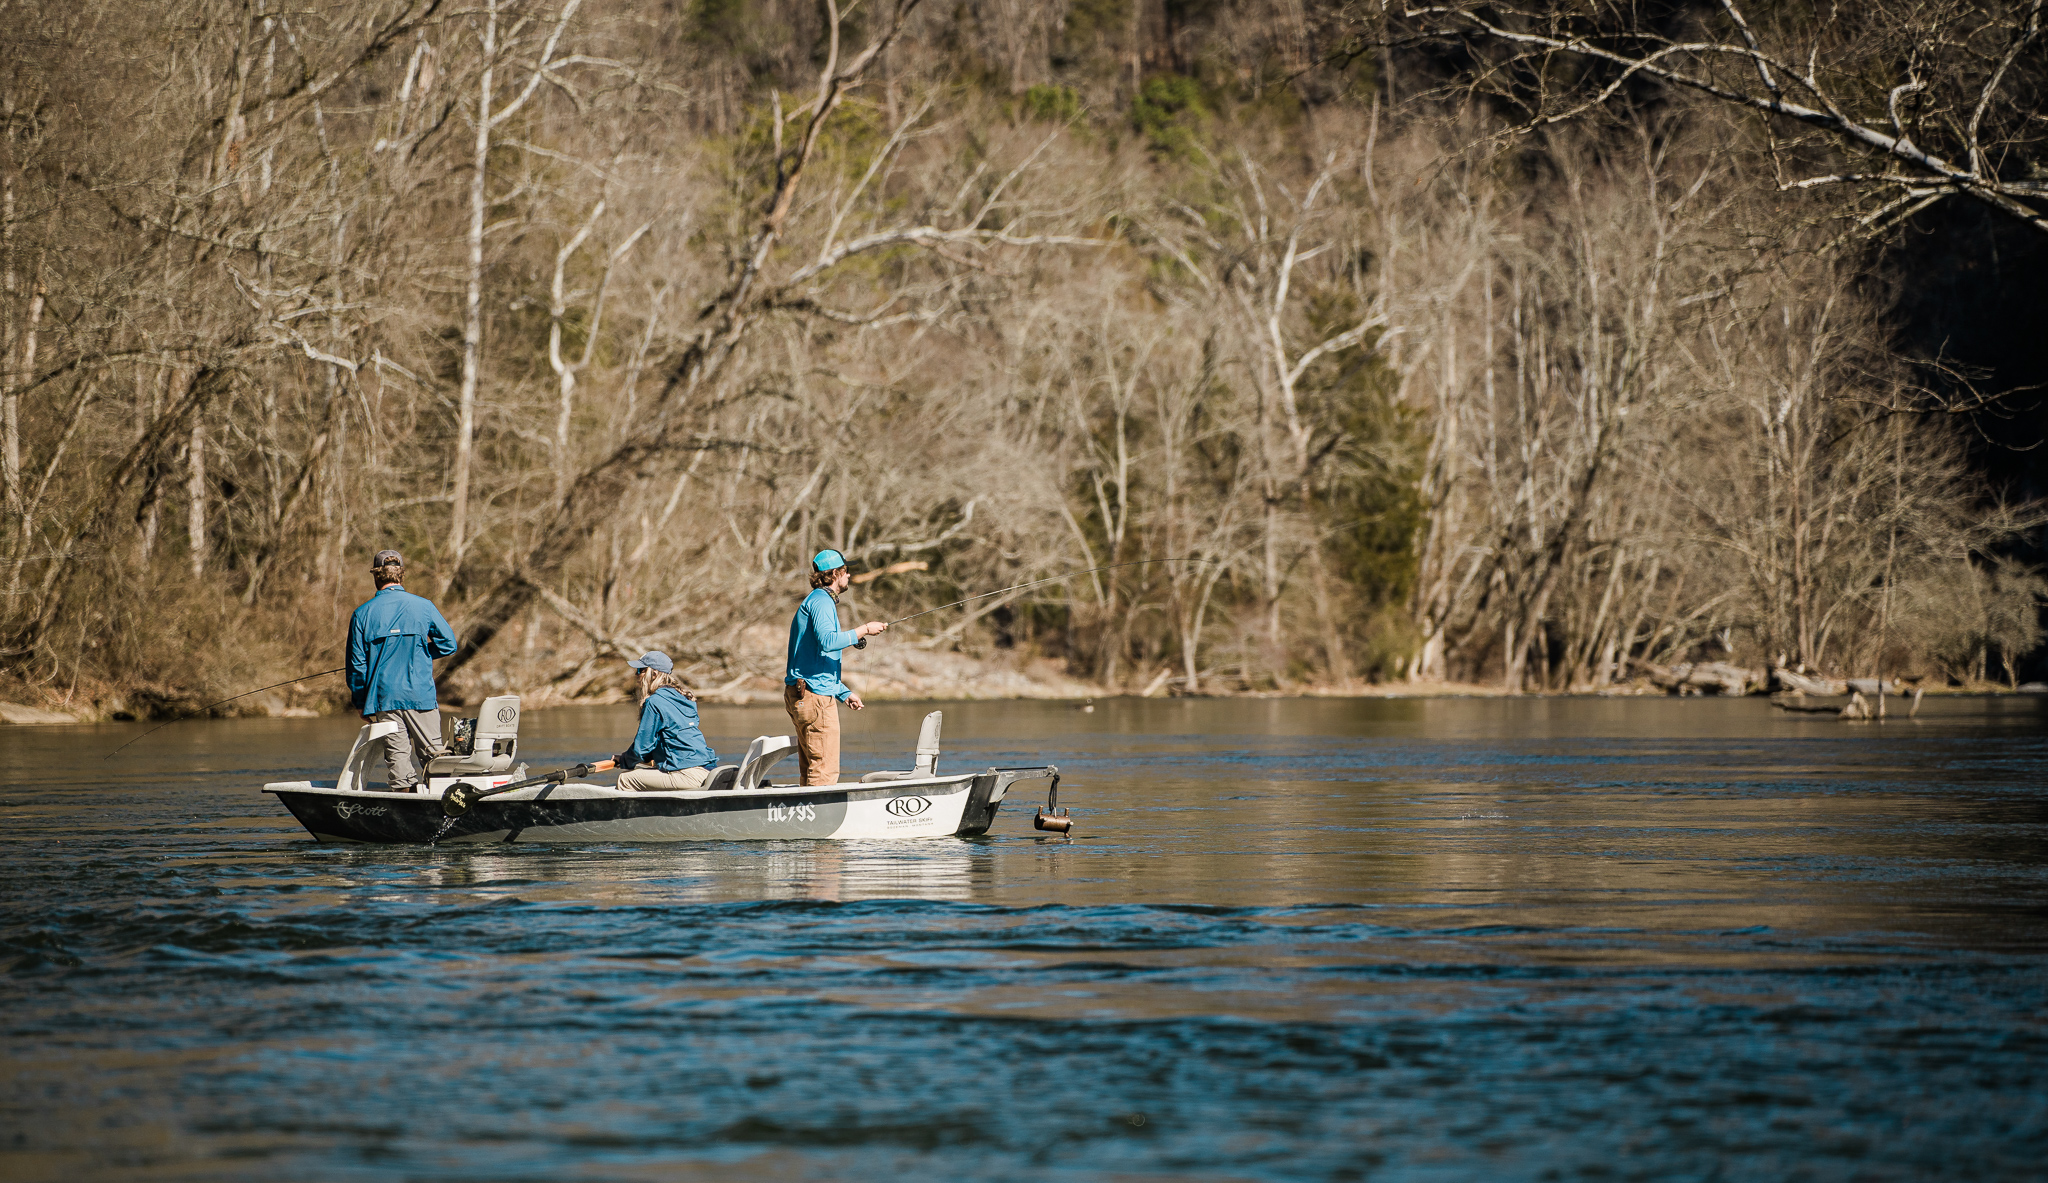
(811, 690)
(393, 639)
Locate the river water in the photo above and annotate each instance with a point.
(1291, 940)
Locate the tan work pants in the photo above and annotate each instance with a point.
(417, 740)
(816, 717)
(649, 779)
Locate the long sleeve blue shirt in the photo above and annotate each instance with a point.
(393, 639)
(815, 640)
(669, 737)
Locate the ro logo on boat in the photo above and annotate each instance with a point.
(908, 806)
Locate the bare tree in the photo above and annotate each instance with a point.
(726, 321)
(1897, 104)
(490, 114)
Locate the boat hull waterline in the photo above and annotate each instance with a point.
(962, 805)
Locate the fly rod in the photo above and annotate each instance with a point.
(863, 642)
(223, 702)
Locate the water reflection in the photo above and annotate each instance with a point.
(926, 869)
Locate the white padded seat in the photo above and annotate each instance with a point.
(927, 754)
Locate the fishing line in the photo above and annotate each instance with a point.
(1047, 579)
(223, 702)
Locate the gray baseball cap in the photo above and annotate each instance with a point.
(385, 558)
(653, 659)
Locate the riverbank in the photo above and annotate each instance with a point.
(748, 674)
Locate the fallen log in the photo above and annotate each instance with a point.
(1857, 707)
(1712, 677)
(1727, 679)
(1812, 684)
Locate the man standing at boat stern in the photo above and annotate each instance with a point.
(812, 691)
(393, 639)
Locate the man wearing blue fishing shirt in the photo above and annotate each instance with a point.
(669, 752)
(393, 639)
(811, 690)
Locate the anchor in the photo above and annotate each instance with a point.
(1050, 816)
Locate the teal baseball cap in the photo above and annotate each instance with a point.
(827, 560)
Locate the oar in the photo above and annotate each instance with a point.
(461, 797)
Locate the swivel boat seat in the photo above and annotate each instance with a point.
(927, 754)
(752, 770)
(483, 746)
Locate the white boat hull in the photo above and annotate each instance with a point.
(961, 805)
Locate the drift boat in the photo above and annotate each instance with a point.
(740, 801)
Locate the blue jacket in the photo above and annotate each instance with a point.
(815, 640)
(393, 639)
(669, 737)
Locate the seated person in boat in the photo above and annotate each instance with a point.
(393, 639)
(669, 752)
(811, 690)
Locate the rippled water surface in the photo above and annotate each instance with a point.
(1291, 940)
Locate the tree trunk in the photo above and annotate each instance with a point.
(10, 399)
(472, 306)
(1337, 661)
(195, 498)
(1276, 647)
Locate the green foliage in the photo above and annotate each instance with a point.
(1172, 114)
(851, 137)
(1052, 104)
(1369, 494)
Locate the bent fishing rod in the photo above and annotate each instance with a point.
(223, 702)
(863, 642)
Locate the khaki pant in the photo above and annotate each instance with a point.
(649, 779)
(418, 740)
(817, 733)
